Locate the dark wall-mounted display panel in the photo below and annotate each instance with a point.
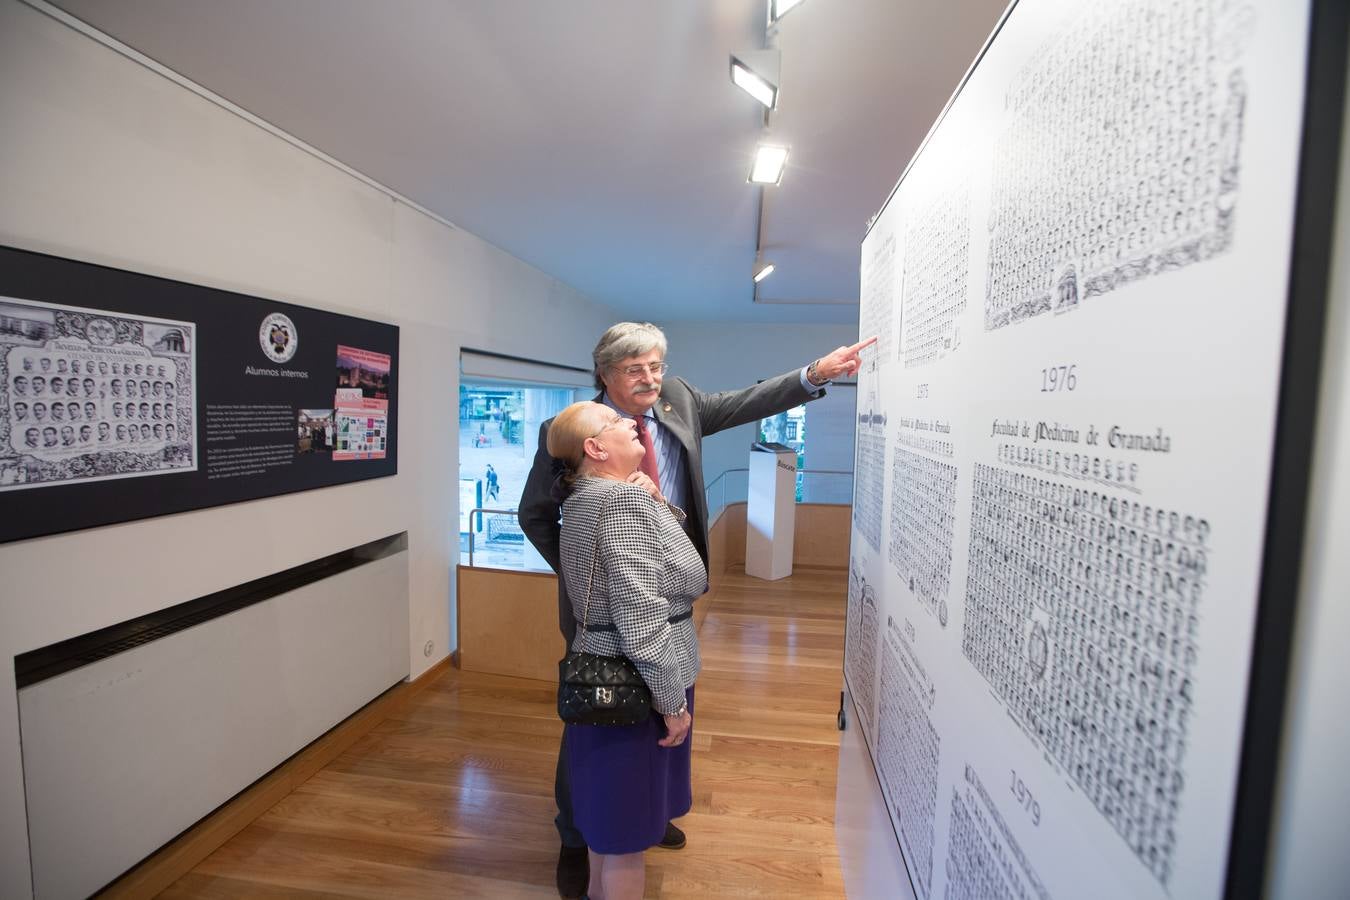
(125, 396)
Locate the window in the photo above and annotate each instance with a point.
(788, 428)
(498, 437)
(502, 403)
(825, 462)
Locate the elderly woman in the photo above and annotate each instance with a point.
(627, 781)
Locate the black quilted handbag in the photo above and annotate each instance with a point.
(600, 690)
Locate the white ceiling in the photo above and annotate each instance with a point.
(599, 140)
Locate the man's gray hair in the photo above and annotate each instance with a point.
(622, 341)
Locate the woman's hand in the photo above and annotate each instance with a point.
(677, 729)
(651, 487)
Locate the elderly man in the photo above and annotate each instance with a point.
(672, 418)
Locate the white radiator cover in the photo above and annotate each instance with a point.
(122, 755)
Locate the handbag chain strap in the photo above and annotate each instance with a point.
(595, 554)
(595, 559)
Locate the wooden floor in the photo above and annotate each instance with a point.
(453, 797)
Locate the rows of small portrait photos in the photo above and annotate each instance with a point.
(90, 395)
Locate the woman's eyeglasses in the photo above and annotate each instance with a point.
(607, 426)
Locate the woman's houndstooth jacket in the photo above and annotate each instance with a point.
(646, 573)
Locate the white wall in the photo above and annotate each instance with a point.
(105, 160)
(724, 357)
(1312, 810)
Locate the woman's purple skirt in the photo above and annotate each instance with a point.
(625, 787)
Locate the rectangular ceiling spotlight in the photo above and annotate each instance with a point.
(763, 90)
(762, 271)
(769, 164)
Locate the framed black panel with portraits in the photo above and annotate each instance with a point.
(125, 396)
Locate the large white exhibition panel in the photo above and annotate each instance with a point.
(1064, 448)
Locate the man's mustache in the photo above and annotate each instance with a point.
(647, 388)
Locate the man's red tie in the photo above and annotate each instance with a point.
(648, 465)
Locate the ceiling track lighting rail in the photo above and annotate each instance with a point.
(758, 74)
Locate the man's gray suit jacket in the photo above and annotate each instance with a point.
(688, 414)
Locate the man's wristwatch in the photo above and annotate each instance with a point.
(684, 708)
(812, 374)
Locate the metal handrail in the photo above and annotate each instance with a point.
(708, 491)
(482, 509)
(725, 472)
(803, 471)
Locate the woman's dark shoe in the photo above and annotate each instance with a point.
(574, 871)
(674, 838)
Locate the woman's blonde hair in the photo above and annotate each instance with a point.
(568, 433)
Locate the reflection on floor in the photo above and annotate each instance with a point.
(453, 797)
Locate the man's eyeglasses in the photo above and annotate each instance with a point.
(656, 369)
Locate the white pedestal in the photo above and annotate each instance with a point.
(771, 512)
